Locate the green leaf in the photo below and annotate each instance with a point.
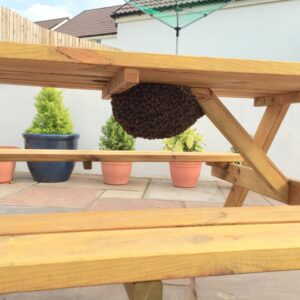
(190, 141)
(178, 146)
(114, 137)
(52, 116)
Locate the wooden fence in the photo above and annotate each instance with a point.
(15, 28)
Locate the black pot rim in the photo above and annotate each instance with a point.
(39, 136)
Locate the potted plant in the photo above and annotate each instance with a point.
(185, 174)
(51, 128)
(114, 137)
(7, 168)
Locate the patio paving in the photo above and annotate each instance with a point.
(87, 192)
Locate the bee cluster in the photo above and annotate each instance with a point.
(156, 111)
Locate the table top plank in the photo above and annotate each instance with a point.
(156, 218)
(92, 69)
(50, 261)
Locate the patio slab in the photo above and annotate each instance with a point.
(260, 286)
(16, 186)
(44, 196)
(205, 192)
(122, 194)
(253, 199)
(8, 209)
(96, 182)
(132, 204)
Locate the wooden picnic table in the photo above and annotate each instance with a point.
(274, 85)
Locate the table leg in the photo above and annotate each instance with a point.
(145, 290)
(254, 156)
(265, 134)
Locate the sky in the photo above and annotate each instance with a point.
(36, 10)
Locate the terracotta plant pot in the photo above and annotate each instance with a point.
(7, 168)
(185, 174)
(116, 173)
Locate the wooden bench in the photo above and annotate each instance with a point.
(58, 251)
(42, 252)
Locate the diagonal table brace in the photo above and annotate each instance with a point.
(254, 156)
(265, 134)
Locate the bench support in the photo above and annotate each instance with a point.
(121, 82)
(265, 134)
(253, 151)
(145, 290)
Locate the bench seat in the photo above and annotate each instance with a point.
(42, 252)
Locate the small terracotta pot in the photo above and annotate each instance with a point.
(185, 174)
(7, 168)
(116, 173)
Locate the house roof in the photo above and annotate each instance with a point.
(128, 9)
(49, 24)
(91, 22)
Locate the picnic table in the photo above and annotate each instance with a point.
(275, 85)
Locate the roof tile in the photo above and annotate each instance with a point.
(91, 22)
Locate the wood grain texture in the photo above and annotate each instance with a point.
(239, 138)
(278, 99)
(264, 136)
(51, 261)
(227, 77)
(245, 177)
(294, 192)
(121, 82)
(157, 218)
(97, 155)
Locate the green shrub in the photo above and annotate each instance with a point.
(114, 137)
(52, 116)
(188, 141)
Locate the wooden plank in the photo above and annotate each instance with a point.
(88, 165)
(244, 177)
(240, 139)
(152, 290)
(227, 76)
(121, 82)
(51, 261)
(97, 155)
(264, 136)
(278, 99)
(294, 192)
(156, 218)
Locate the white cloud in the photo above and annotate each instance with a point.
(37, 12)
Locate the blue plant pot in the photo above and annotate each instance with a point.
(51, 171)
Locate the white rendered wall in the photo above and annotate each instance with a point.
(266, 31)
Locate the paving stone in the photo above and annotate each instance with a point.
(43, 196)
(105, 292)
(66, 294)
(122, 194)
(96, 182)
(16, 186)
(177, 292)
(34, 210)
(260, 286)
(206, 191)
(132, 204)
(253, 199)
